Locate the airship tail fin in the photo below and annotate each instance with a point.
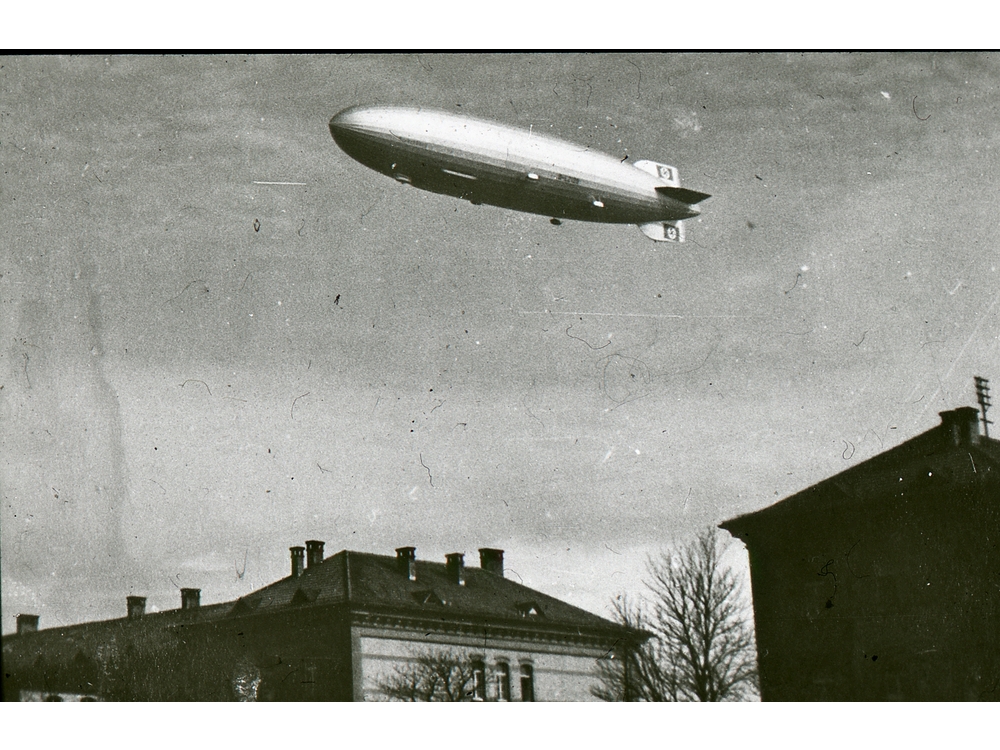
(664, 172)
(663, 231)
(671, 180)
(684, 195)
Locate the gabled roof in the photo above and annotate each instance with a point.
(368, 582)
(953, 453)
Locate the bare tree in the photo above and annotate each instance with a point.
(637, 669)
(702, 646)
(432, 676)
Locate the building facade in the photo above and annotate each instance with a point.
(354, 626)
(883, 582)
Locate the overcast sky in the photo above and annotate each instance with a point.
(199, 370)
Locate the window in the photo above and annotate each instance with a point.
(528, 609)
(527, 683)
(309, 672)
(427, 597)
(503, 681)
(478, 680)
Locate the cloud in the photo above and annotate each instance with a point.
(686, 123)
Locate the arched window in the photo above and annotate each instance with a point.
(478, 680)
(503, 681)
(527, 683)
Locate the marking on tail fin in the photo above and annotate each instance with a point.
(663, 172)
(663, 231)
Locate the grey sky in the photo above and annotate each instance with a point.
(184, 397)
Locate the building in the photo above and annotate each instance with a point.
(883, 582)
(343, 628)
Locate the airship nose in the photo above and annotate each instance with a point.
(351, 127)
(348, 119)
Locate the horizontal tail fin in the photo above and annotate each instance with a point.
(684, 195)
(663, 231)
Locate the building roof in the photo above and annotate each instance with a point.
(364, 583)
(61, 645)
(375, 583)
(953, 452)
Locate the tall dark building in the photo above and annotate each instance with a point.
(883, 582)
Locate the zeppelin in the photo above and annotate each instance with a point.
(484, 162)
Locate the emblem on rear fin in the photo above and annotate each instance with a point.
(663, 231)
(663, 171)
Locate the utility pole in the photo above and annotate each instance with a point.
(983, 396)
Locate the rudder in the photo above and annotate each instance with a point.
(663, 231)
(664, 172)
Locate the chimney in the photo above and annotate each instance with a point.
(27, 624)
(190, 598)
(491, 560)
(960, 426)
(455, 563)
(406, 560)
(314, 553)
(136, 606)
(298, 560)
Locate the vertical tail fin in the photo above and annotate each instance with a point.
(664, 172)
(663, 231)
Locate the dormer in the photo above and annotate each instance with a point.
(529, 609)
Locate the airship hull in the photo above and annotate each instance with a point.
(483, 162)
